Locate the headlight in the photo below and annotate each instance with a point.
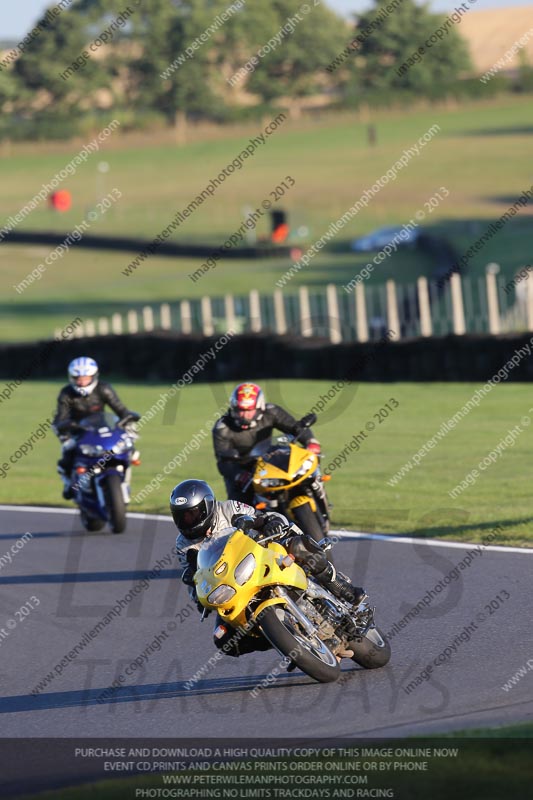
(245, 570)
(90, 450)
(220, 595)
(306, 466)
(121, 446)
(272, 482)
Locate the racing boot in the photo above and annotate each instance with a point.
(68, 492)
(311, 556)
(331, 580)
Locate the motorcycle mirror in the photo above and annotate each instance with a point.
(308, 420)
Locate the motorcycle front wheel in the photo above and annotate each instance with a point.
(372, 651)
(309, 653)
(116, 507)
(91, 523)
(307, 520)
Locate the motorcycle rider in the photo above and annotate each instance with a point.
(250, 420)
(83, 395)
(198, 515)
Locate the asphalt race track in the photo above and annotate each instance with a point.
(70, 580)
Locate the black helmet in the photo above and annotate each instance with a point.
(192, 505)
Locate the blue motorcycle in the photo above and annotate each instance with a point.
(103, 455)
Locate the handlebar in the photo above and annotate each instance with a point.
(258, 537)
(68, 428)
(131, 416)
(303, 424)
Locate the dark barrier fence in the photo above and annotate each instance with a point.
(125, 243)
(166, 356)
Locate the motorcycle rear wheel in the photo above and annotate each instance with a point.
(310, 654)
(373, 651)
(116, 508)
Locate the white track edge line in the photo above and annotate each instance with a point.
(342, 534)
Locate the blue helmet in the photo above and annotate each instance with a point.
(83, 368)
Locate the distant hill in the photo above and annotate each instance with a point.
(492, 32)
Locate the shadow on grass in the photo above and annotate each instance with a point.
(442, 531)
(506, 199)
(346, 517)
(516, 130)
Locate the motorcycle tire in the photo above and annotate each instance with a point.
(312, 656)
(116, 507)
(307, 520)
(373, 651)
(91, 523)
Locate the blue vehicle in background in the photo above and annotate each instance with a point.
(104, 454)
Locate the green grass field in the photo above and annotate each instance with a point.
(361, 496)
(479, 155)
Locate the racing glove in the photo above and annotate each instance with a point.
(273, 525)
(68, 428)
(245, 522)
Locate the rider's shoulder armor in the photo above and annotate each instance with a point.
(219, 424)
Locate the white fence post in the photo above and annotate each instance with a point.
(255, 312)
(279, 313)
(166, 318)
(148, 318)
(207, 316)
(306, 324)
(426, 325)
(529, 305)
(459, 326)
(393, 320)
(133, 321)
(335, 331)
(90, 327)
(103, 326)
(492, 302)
(116, 323)
(186, 317)
(229, 309)
(360, 313)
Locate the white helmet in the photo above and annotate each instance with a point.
(82, 368)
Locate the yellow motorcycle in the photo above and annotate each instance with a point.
(257, 589)
(287, 479)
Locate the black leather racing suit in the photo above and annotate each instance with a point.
(72, 407)
(228, 437)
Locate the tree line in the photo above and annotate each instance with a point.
(173, 60)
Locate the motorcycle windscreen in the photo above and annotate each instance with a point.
(279, 457)
(101, 420)
(213, 547)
